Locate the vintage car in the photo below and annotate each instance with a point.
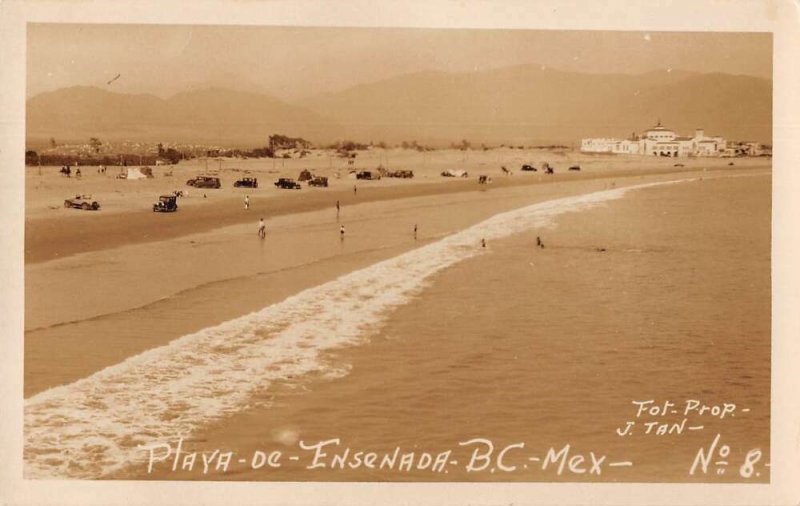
(318, 181)
(287, 184)
(528, 168)
(455, 173)
(246, 182)
(166, 204)
(367, 174)
(575, 167)
(84, 202)
(403, 174)
(204, 182)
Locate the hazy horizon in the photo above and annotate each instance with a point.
(293, 63)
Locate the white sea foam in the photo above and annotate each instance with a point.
(91, 427)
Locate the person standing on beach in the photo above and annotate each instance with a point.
(483, 243)
(337, 209)
(415, 231)
(355, 189)
(262, 228)
(341, 232)
(246, 202)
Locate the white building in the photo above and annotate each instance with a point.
(658, 141)
(623, 146)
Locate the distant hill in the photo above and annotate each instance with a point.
(212, 116)
(518, 105)
(529, 104)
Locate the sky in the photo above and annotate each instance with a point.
(295, 62)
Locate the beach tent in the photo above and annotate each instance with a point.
(305, 175)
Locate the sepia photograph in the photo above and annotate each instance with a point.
(307, 254)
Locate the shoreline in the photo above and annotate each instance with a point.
(59, 236)
(156, 295)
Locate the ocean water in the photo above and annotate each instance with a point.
(483, 346)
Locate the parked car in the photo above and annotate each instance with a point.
(529, 168)
(204, 182)
(404, 174)
(455, 173)
(287, 184)
(575, 167)
(318, 181)
(246, 182)
(84, 202)
(678, 165)
(366, 174)
(166, 204)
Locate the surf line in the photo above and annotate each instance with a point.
(92, 427)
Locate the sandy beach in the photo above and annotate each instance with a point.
(114, 285)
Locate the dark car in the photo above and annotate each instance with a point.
(575, 167)
(403, 174)
(678, 165)
(287, 184)
(84, 202)
(318, 181)
(529, 168)
(246, 182)
(366, 174)
(166, 204)
(204, 182)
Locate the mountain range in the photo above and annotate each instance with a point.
(524, 104)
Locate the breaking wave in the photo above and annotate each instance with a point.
(90, 428)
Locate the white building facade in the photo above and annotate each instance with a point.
(659, 141)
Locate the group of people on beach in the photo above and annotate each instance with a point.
(262, 226)
(67, 171)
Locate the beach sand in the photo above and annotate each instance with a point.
(547, 346)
